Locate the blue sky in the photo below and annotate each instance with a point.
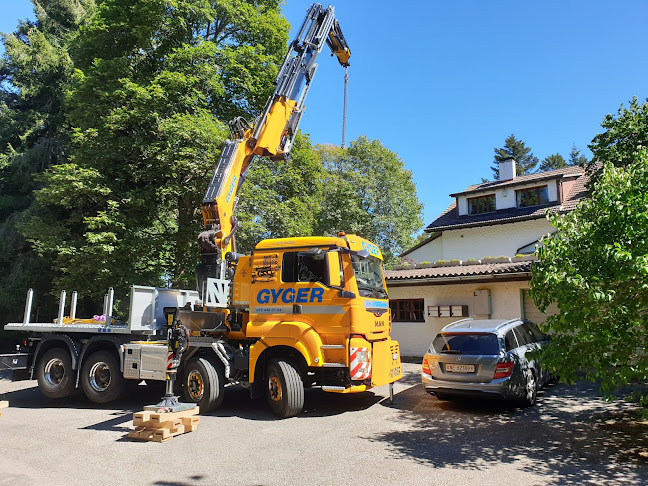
(444, 83)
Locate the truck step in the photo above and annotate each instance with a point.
(163, 426)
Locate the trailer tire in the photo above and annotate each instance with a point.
(204, 384)
(54, 374)
(285, 389)
(101, 379)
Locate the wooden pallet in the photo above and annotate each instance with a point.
(163, 426)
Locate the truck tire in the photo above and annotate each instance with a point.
(54, 374)
(101, 379)
(204, 384)
(285, 389)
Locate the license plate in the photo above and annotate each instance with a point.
(460, 368)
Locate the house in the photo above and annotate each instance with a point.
(477, 259)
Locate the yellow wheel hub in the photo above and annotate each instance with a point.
(195, 385)
(275, 389)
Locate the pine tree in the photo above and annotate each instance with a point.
(552, 162)
(525, 160)
(575, 157)
(34, 73)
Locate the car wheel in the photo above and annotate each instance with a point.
(54, 374)
(285, 389)
(530, 389)
(101, 379)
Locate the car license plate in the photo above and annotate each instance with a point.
(460, 368)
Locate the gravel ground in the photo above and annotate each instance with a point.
(570, 437)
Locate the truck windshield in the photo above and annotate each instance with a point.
(369, 275)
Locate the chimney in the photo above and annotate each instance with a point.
(507, 169)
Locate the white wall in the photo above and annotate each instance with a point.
(497, 240)
(415, 337)
(483, 241)
(430, 252)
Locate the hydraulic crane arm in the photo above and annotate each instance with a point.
(271, 135)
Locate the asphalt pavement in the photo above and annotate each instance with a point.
(571, 437)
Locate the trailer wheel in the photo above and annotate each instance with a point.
(285, 389)
(204, 384)
(101, 378)
(54, 374)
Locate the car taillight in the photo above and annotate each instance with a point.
(502, 370)
(426, 367)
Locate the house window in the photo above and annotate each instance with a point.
(482, 204)
(407, 310)
(532, 196)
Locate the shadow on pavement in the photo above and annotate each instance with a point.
(236, 403)
(571, 436)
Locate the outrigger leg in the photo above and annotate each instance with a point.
(178, 339)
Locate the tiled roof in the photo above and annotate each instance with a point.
(450, 218)
(573, 170)
(440, 272)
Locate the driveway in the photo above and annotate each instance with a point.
(571, 437)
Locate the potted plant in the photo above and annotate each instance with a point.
(498, 259)
(471, 261)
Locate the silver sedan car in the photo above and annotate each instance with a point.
(486, 358)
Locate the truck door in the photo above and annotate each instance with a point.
(308, 275)
(296, 286)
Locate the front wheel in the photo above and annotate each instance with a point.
(285, 389)
(54, 374)
(204, 384)
(101, 378)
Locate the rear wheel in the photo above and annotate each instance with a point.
(54, 374)
(101, 378)
(204, 384)
(285, 390)
(530, 389)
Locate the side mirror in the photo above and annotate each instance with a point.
(335, 270)
(364, 254)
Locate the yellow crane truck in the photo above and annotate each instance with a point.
(296, 313)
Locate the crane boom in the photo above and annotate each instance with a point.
(271, 136)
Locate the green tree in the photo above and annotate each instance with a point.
(368, 191)
(525, 161)
(154, 81)
(624, 134)
(552, 162)
(34, 72)
(575, 157)
(595, 267)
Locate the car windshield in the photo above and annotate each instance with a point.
(369, 275)
(465, 343)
